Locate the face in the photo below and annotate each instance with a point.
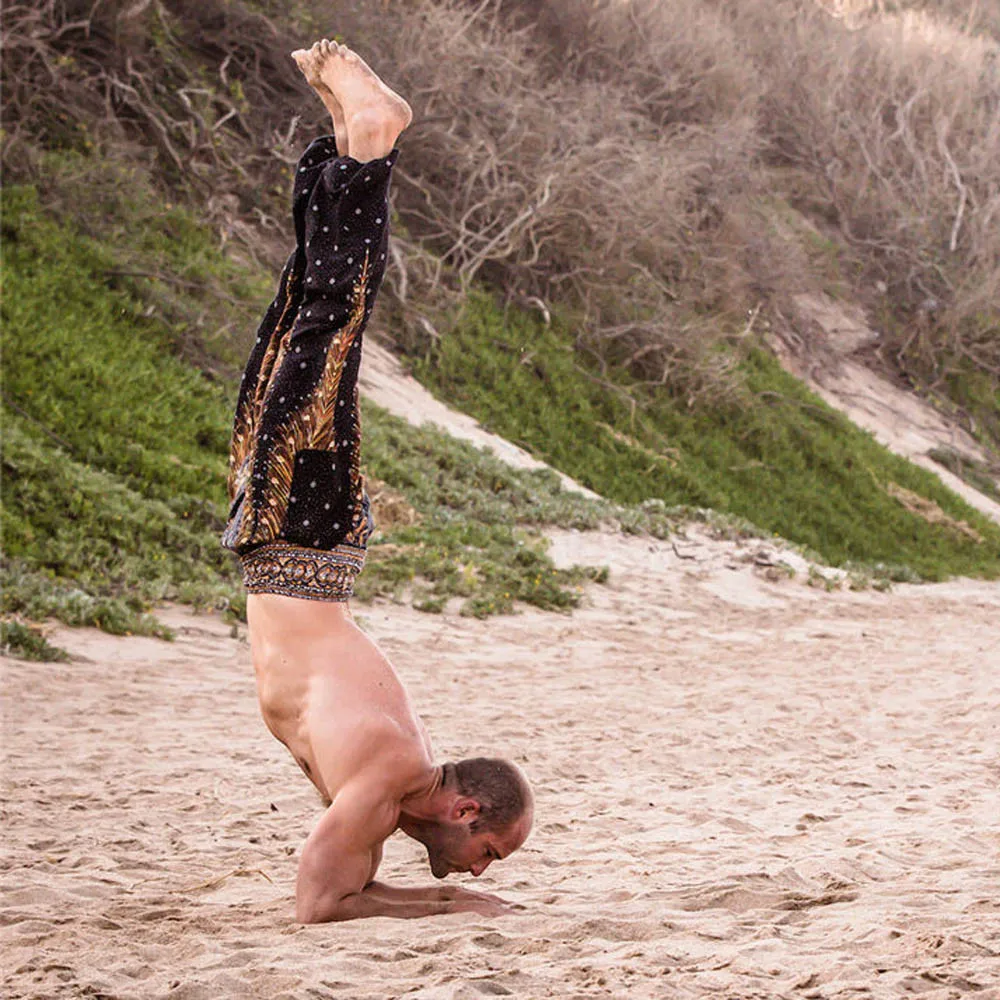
(451, 847)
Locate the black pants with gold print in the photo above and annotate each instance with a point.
(299, 517)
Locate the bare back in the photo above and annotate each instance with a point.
(328, 693)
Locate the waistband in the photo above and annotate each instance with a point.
(295, 571)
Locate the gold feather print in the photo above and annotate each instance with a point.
(248, 414)
(238, 449)
(311, 427)
(276, 349)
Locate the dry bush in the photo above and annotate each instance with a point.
(970, 17)
(658, 165)
(626, 157)
(203, 94)
(897, 126)
(591, 171)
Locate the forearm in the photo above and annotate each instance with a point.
(380, 900)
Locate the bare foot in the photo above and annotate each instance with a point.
(375, 114)
(308, 61)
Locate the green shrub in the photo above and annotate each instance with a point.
(28, 643)
(780, 459)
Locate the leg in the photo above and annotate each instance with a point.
(306, 423)
(276, 324)
(310, 412)
(260, 366)
(252, 384)
(303, 503)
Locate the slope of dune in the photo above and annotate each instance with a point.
(828, 353)
(384, 382)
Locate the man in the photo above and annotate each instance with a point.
(300, 521)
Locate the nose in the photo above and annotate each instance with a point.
(478, 869)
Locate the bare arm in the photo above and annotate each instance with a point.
(380, 900)
(336, 870)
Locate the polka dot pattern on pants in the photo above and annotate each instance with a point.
(339, 209)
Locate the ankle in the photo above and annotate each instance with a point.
(371, 134)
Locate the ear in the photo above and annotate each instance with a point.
(465, 808)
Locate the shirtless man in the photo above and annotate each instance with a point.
(300, 520)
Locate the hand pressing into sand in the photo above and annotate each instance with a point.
(483, 903)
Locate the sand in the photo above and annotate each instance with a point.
(746, 789)
(384, 381)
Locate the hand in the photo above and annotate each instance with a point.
(454, 893)
(487, 906)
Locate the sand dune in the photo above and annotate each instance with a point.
(745, 789)
(384, 381)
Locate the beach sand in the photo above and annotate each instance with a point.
(746, 789)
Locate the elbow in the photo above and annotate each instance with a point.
(306, 911)
(319, 898)
(314, 902)
(312, 906)
(320, 908)
(305, 906)
(312, 910)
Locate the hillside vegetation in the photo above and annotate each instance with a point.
(114, 467)
(601, 214)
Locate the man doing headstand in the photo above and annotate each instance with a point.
(300, 520)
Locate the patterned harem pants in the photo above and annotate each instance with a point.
(300, 518)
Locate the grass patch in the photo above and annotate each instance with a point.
(28, 643)
(782, 459)
(203, 300)
(84, 546)
(84, 360)
(115, 448)
(978, 395)
(489, 566)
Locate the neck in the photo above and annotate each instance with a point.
(425, 804)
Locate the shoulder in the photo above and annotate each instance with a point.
(369, 749)
(395, 759)
(365, 809)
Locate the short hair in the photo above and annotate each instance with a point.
(497, 785)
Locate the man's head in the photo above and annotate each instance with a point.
(486, 812)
